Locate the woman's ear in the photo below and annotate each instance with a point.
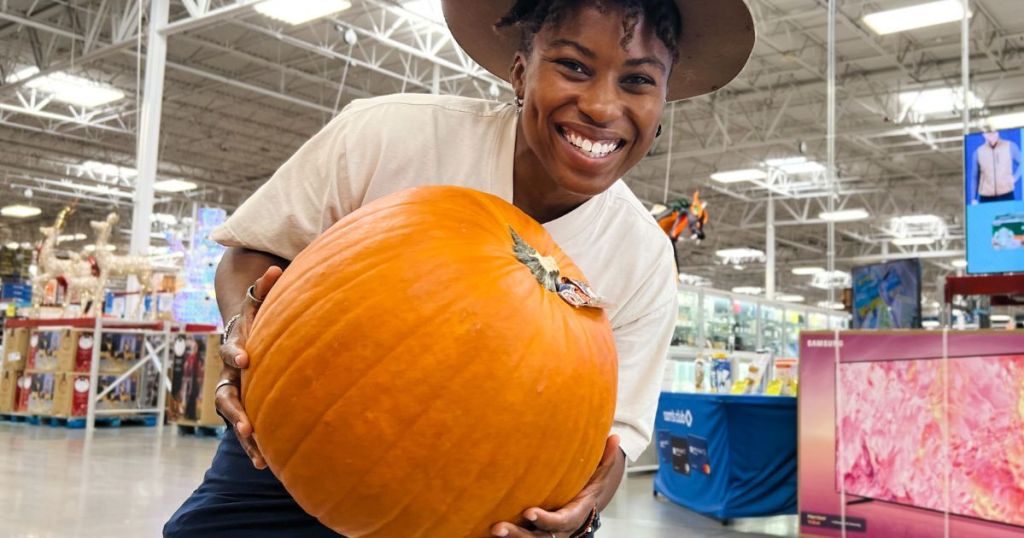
(517, 74)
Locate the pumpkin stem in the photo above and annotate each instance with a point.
(544, 268)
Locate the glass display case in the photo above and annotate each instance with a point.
(771, 328)
(816, 321)
(796, 319)
(719, 322)
(687, 329)
(745, 328)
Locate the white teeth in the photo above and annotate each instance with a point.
(593, 149)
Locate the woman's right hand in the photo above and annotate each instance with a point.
(232, 352)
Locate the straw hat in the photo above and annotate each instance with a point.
(716, 40)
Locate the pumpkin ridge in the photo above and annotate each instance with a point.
(384, 458)
(339, 398)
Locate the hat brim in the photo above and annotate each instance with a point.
(716, 41)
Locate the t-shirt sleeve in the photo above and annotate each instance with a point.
(307, 194)
(642, 344)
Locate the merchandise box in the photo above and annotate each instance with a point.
(42, 387)
(15, 349)
(913, 434)
(22, 389)
(8, 387)
(51, 350)
(118, 351)
(195, 367)
(137, 391)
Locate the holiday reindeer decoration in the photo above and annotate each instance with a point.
(111, 264)
(79, 276)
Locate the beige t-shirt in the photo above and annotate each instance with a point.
(382, 145)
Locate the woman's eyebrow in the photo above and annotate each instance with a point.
(562, 42)
(646, 60)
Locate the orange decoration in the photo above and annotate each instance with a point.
(414, 373)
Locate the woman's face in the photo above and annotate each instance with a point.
(591, 107)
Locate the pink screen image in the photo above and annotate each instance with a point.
(891, 442)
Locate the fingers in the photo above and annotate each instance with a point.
(611, 451)
(509, 530)
(230, 407)
(233, 357)
(267, 281)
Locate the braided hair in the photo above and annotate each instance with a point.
(529, 16)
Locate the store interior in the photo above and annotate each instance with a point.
(829, 211)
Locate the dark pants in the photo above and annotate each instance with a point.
(236, 499)
(1008, 197)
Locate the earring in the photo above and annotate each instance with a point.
(518, 101)
(657, 134)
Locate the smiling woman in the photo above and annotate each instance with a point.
(591, 79)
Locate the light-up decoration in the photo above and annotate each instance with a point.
(197, 300)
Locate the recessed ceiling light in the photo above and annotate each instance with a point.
(789, 298)
(807, 271)
(748, 290)
(913, 17)
(20, 211)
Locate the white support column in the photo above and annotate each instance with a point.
(769, 267)
(147, 150)
(831, 139)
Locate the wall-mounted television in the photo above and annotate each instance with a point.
(887, 295)
(994, 200)
(896, 439)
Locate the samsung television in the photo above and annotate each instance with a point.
(994, 201)
(887, 295)
(903, 427)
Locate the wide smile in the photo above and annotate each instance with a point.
(594, 150)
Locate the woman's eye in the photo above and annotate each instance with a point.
(639, 80)
(573, 66)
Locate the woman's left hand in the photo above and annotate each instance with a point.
(565, 521)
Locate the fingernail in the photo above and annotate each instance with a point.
(532, 516)
(502, 532)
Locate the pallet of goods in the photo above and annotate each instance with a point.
(194, 371)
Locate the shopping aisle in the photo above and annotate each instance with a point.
(127, 481)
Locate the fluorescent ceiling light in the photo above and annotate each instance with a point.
(108, 170)
(299, 11)
(20, 211)
(789, 298)
(913, 17)
(1005, 121)
(748, 290)
(810, 167)
(831, 305)
(785, 161)
(844, 215)
(174, 185)
(913, 241)
(807, 271)
(694, 280)
(919, 219)
(737, 176)
(69, 88)
(960, 264)
(732, 253)
(930, 324)
(1000, 318)
(939, 100)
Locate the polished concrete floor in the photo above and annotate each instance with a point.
(56, 482)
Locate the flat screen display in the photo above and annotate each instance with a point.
(887, 295)
(994, 202)
(891, 440)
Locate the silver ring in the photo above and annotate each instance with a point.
(224, 382)
(553, 535)
(251, 295)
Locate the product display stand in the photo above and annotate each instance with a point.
(155, 355)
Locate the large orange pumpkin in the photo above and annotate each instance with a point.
(413, 374)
